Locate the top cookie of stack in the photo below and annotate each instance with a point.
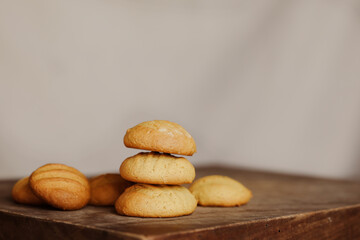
(160, 136)
(159, 167)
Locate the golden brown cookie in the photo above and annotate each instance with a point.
(160, 136)
(221, 191)
(21, 193)
(60, 186)
(144, 200)
(157, 168)
(106, 188)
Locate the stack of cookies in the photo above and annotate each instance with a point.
(158, 174)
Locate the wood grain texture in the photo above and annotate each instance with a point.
(283, 207)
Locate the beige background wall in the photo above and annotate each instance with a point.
(262, 84)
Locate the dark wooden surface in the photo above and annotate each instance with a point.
(283, 207)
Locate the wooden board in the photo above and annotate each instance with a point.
(283, 207)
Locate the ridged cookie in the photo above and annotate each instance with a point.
(60, 186)
(143, 200)
(106, 188)
(157, 168)
(21, 193)
(160, 136)
(219, 190)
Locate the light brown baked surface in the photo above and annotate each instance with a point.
(60, 186)
(21, 193)
(106, 188)
(144, 200)
(157, 168)
(160, 136)
(216, 190)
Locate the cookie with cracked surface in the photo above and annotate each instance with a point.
(106, 188)
(157, 168)
(160, 136)
(144, 200)
(21, 193)
(222, 191)
(60, 186)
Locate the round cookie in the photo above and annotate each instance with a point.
(144, 200)
(157, 168)
(106, 188)
(60, 186)
(21, 193)
(160, 136)
(216, 190)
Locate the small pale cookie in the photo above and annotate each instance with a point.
(221, 191)
(144, 200)
(21, 193)
(60, 186)
(160, 136)
(157, 168)
(106, 188)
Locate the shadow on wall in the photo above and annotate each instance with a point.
(356, 169)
